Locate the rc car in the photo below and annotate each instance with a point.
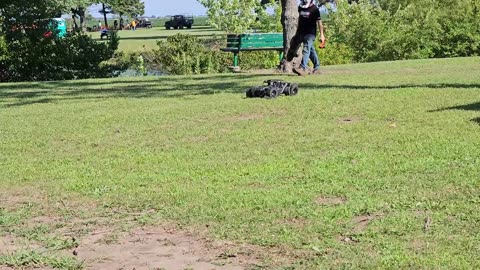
(272, 89)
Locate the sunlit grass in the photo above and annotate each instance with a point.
(146, 39)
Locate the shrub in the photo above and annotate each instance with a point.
(334, 54)
(406, 29)
(4, 59)
(186, 54)
(258, 59)
(76, 56)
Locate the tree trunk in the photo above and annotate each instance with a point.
(105, 15)
(121, 20)
(81, 14)
(292, 57)
(74, 19)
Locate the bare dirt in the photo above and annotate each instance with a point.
(349, 120)
(156, 248)
(113, 242)
(330, 200)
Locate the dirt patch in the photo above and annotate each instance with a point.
(156, 248)
(245, 117)
(198, 139)
(330, 200)
(112, 239)
(361, 222)
(294, 222)
(349, 120)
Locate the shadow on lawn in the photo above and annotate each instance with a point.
(168, 87)
(165, 87)
(468, 107)
(391, 87)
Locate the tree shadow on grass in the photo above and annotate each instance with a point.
(170, 87)
(467, 107)
(390, 87)
(163, 87)
(476, 120)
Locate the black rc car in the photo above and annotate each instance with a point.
(272, 89)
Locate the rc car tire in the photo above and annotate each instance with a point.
(272, 92)
(293, 89)
(250, 92)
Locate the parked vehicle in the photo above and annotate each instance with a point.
(179, 22)
(144, 23)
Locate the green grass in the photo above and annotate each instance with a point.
(146, 39)
(397, 140)
(33, 259)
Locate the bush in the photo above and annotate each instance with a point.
(4, 59)
(258, 59)
(335, 54)
(186, 54)
(406, 29)
(76, 56)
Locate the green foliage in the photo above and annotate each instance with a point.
(259, 60)
(413, 29)
(186, 54)
(33, 55)
(76, 56)
(240, 16)
(4, 58)
(131, 8)
(334, 54)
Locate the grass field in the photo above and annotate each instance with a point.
(370, 166)
(146, 39)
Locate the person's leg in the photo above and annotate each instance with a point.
(307, 47)
(314, 57)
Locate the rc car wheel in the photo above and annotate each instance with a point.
(250, 92)
(272, 92)
(293, 89)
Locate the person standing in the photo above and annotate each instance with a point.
(308, 22)
(134, 25)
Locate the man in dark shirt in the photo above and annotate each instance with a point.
(308, 21)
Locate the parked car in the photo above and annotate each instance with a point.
(179, 22)
(144, 23)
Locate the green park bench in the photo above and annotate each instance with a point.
(253, 42)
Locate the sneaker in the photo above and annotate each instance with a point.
(316, 72)
(300, 71)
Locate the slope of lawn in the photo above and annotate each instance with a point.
(371, 165)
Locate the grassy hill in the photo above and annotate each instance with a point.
(370, 166)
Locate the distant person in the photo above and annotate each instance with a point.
(134, 25)
(99, 25)
(115, 24)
